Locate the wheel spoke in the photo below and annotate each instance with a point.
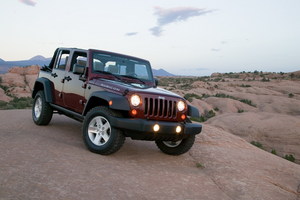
(106, 126)
(105, 137)
(97, 139)
(99, 122)
(93, 129)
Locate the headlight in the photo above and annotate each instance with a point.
(135, 100)
(180, 105)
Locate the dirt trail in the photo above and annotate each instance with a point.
(52, 162)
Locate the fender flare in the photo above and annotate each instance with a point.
(119, 102)
(193, 111)
(46, 86)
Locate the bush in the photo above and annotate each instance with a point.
(205, 116)
(247, 101)
(291, 95)
(221, 95)
(243, 85)
(240, 111)
(205, 95)
(190, 96)
(5, 88)
(17, 103)
(274, 152)
(257, 144)
(290, 157)
(265, 79)
(199, 165)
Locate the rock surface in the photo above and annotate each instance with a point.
(20, 81)
(271, 118)
(51, 162)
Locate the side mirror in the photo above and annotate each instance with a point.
(156, 82)
(82, 78)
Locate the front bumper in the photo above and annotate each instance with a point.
(146, 126)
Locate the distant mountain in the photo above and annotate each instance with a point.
(161, 72)
(39, 57)
(36, 60)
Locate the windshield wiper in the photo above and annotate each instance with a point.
(114, 75)
(136, 78)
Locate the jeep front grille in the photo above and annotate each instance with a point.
(160, 108)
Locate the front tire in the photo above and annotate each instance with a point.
(98, 134)
(176, 148)
(41, 110)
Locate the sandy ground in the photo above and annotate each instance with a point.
(51, 162)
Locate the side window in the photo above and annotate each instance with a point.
(79, 63)
(62, 60)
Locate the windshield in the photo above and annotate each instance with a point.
(134, 69)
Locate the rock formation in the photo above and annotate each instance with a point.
(19, 82)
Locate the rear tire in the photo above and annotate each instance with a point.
(98, 134)
(176, 148)
(41, 110)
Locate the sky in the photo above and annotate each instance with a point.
(190, 37)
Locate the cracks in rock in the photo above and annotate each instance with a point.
(219, 186)
(26, 82)
(282, 187)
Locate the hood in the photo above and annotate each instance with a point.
(124, 88)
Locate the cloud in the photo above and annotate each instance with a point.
(28, 2)
(172, 15)
(131, 33)
(157, 31)
(216, 50)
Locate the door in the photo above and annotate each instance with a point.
(74, 85)
(58, 75)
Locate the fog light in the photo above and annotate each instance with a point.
(178, 129)
(156, 128)
(183, 116)
(133, 112)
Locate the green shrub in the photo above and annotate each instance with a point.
(5, 88)
(17, 103)
(190, 96)
(265, 79)
(221, 95)
(243, 85)
(247, 101)
(257, 144)
(291, 95)
(290, 157)
(274, 152)
(204, 117)
(199, 165)
(240, 111)
(205, 95)
(216, 109)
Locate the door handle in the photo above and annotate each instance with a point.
(68, 78)
(54, 75)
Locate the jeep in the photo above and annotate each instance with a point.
(115, 96)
